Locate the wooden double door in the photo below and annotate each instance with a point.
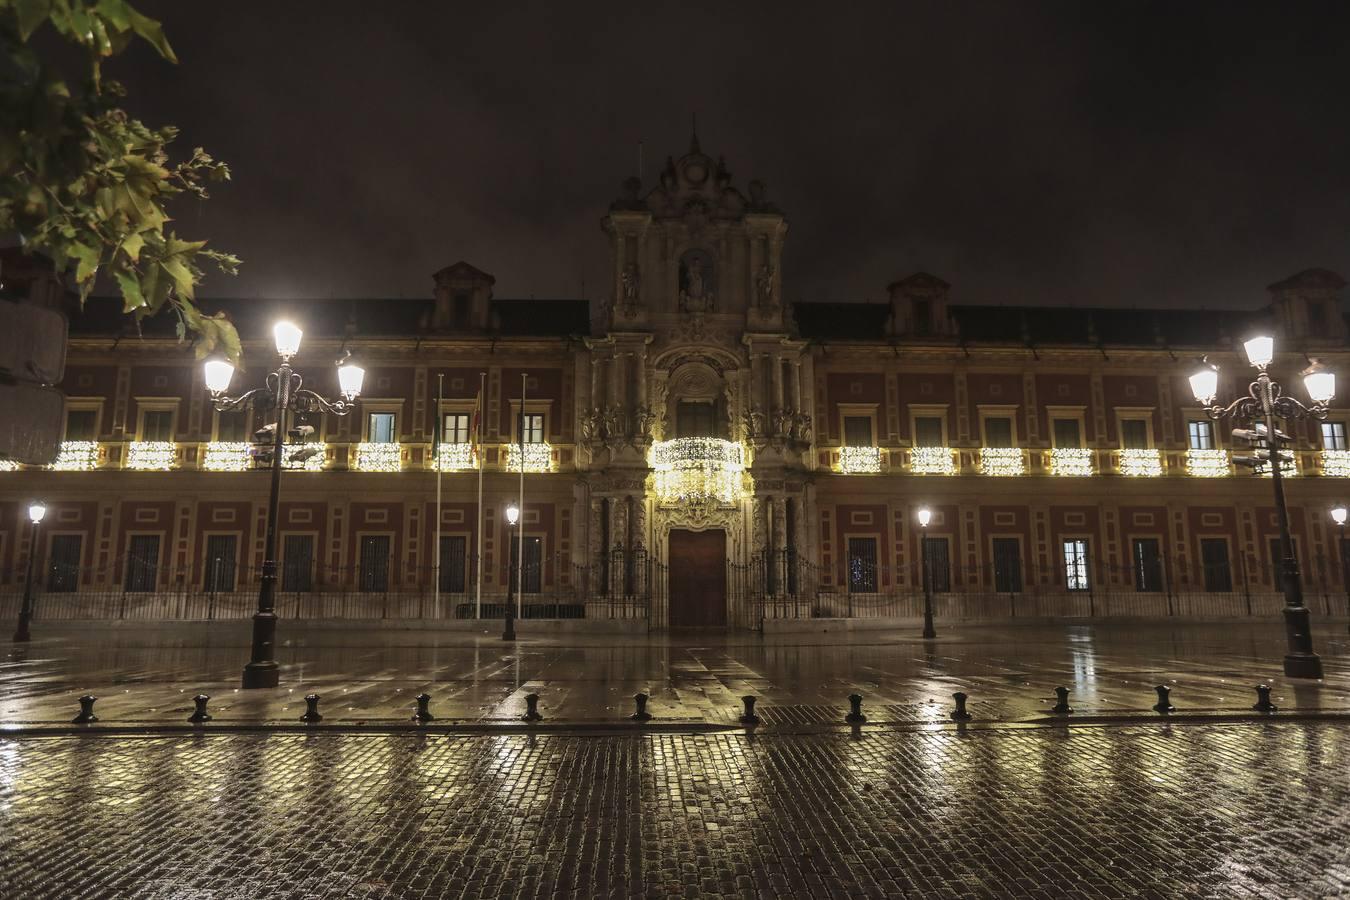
(698, 579)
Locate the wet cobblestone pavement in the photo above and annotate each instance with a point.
(1138, 810)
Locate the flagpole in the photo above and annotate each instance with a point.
(478, 448)
(520, 532)
(436, 454)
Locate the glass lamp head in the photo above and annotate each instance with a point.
(925, 516)
(350, 379)
(1260, 350)
(287, 335)
(512, 514)
(1338, 515)
(1205, 385)
(218, 375)
(36, 512)
(1321, 386)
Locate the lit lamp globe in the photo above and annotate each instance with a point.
(350, 379)
(512, 514)
(1321, 386)
(1205, 385)
(218, 375)
(1338, 515)
(1260, 351)
(37, 512)
(287, 335)
(925, 516)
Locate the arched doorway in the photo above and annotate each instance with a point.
(698, 578)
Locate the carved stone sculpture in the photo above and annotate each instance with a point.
(764, 286)
(631, 285)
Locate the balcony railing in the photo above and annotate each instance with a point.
(1336, 463)
(152, 455)
(860, 460)
(226, 456)
(456, 457)
(931, 461)
(76, 456)
(1002, 461)
(1207, 463)
(378, 457)
(1070, 462)
(1140, 463)
(537, 457)
(697, 469)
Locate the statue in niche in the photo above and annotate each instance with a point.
(616, 425)
(631, 283)
(590, 426)
(764, 286)
(696, 276)
(645, 420)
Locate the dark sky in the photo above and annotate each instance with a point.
(1093, 153)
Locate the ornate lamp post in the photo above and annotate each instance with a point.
(1338, 515)
(36, 512)
(512, 574)
(283, 392)
(926, 516)
(1263, 403)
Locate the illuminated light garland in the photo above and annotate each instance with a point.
(8, 465)
(538, 457)
(314, 464)
(696, 469)
(159, 456)
(860, 460)
(455, 457)
(1070, 461)
(1336, 463)
(931, 461)
(1207, 463)
(379, 457)
(76, 456)
(1002, 461)
(1288, 465)
(1140, 463)
(226, 456)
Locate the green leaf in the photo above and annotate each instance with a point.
(131, 245)
(31, 15)
(152, 31)
(182, 277)
(132, 298)
(88, 258)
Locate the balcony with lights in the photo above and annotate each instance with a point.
(1207, 463)
(152, 456)
(76, 456)
(1070, 462)
(1336, 463)
(932, 461)
(697, 470)
(999, 462)
(1139, 463)
(861, 461)
(227, 456)
(537, 457)
(378, 457)
(456, 457)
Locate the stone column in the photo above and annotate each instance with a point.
(595, 381)
(640, 378)
(776, 380)
(616, 380)
(756, 380)
(797, 386)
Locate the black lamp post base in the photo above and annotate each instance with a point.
(261, 675)
(1302, 665)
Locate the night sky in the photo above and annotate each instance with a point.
(1090, 153)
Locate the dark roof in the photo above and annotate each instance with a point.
(842, 321)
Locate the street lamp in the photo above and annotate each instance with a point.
(36, 512)
(1338, 515)
(284, 392)
(509, 631)
(1263, 402)
(926, 516)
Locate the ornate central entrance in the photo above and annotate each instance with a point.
(698, 578)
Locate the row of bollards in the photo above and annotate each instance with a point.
(855, 714)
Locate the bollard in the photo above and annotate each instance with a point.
(1062, 706)
(641, 715)
(531, 708)
(1164, 704)
(86, 710)
(748, 717)
(1263, 703)
(423, 713)
(199, 714)
(855, 715)
(960, 714)
(311, 709)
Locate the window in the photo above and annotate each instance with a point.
(1200, 434)
(1147, 558)
(81, 425)
(1007, 565)
(531, 566)
(297, 563)
(939, 566)
(232, 426)
(218, 574)
(1217, 570)
(1134, 434)
(998, 432)
(923, 317)
(695, 419)
(63, 564)
(1333, 436)
(142, 563)
(157, 425)
(461, 308)
(381, 428)
(374, 562)
(1066, 434)
(858, 431)
(928, 432)
(1076, 577)
(456, 428)
(453, 563)
(862, 565)
(530, 428)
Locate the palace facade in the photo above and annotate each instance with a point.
(697, 449)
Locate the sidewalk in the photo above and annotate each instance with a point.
(145, 676)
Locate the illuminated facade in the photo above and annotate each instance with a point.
(692, 418)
